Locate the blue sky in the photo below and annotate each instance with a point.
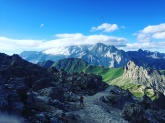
(43, 24)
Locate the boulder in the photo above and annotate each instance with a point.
(117, 97)
(53, 93)
(41, 83)
(134, 113)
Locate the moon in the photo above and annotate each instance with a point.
(42, 25)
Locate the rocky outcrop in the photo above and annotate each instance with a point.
(134, 110)
(117, 97)
(148, 77)
(135, 113)
(81, 83)
(32, 92)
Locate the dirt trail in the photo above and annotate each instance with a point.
(96, 111)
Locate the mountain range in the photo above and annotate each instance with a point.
(32, 94)
(141, 72)
(99, 55)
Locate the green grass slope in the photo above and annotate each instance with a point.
(162, 72)
(71, 65)
(78, 65)
(137, 90)
(107, 74)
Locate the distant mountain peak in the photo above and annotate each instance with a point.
(97, 54)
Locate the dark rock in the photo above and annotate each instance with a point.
(147, 103)
(67, 118)
(17, 107)
(54, 93)
(41, 83)
(159, 116)
(160, 101)
(117, 97)
(52, 70)
(55, 120)
(41, 117)
(134, 113)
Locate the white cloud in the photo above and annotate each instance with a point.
(42, 25)
(154, 28)
(159, 35)
(106, 27)
(150, 38)
(11, 46)
(16, 46)
(151, 32)
(153, 46)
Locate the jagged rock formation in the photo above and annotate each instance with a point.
(148, 77)
(98, 54)
(141, 81)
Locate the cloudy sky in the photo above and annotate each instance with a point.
(43, 24)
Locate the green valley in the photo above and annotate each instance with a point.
(78, 65)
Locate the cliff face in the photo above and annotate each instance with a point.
(148, 77)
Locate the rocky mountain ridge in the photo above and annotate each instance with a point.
(148, 59)
(98, 54)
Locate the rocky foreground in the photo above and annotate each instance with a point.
(31, 94)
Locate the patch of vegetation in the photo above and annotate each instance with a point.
(137, 90)
(78, 65)
(107, 74)
(151, 93)
(162, 72)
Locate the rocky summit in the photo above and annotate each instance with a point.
(32, 94)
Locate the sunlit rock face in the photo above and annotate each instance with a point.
(149, 77)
